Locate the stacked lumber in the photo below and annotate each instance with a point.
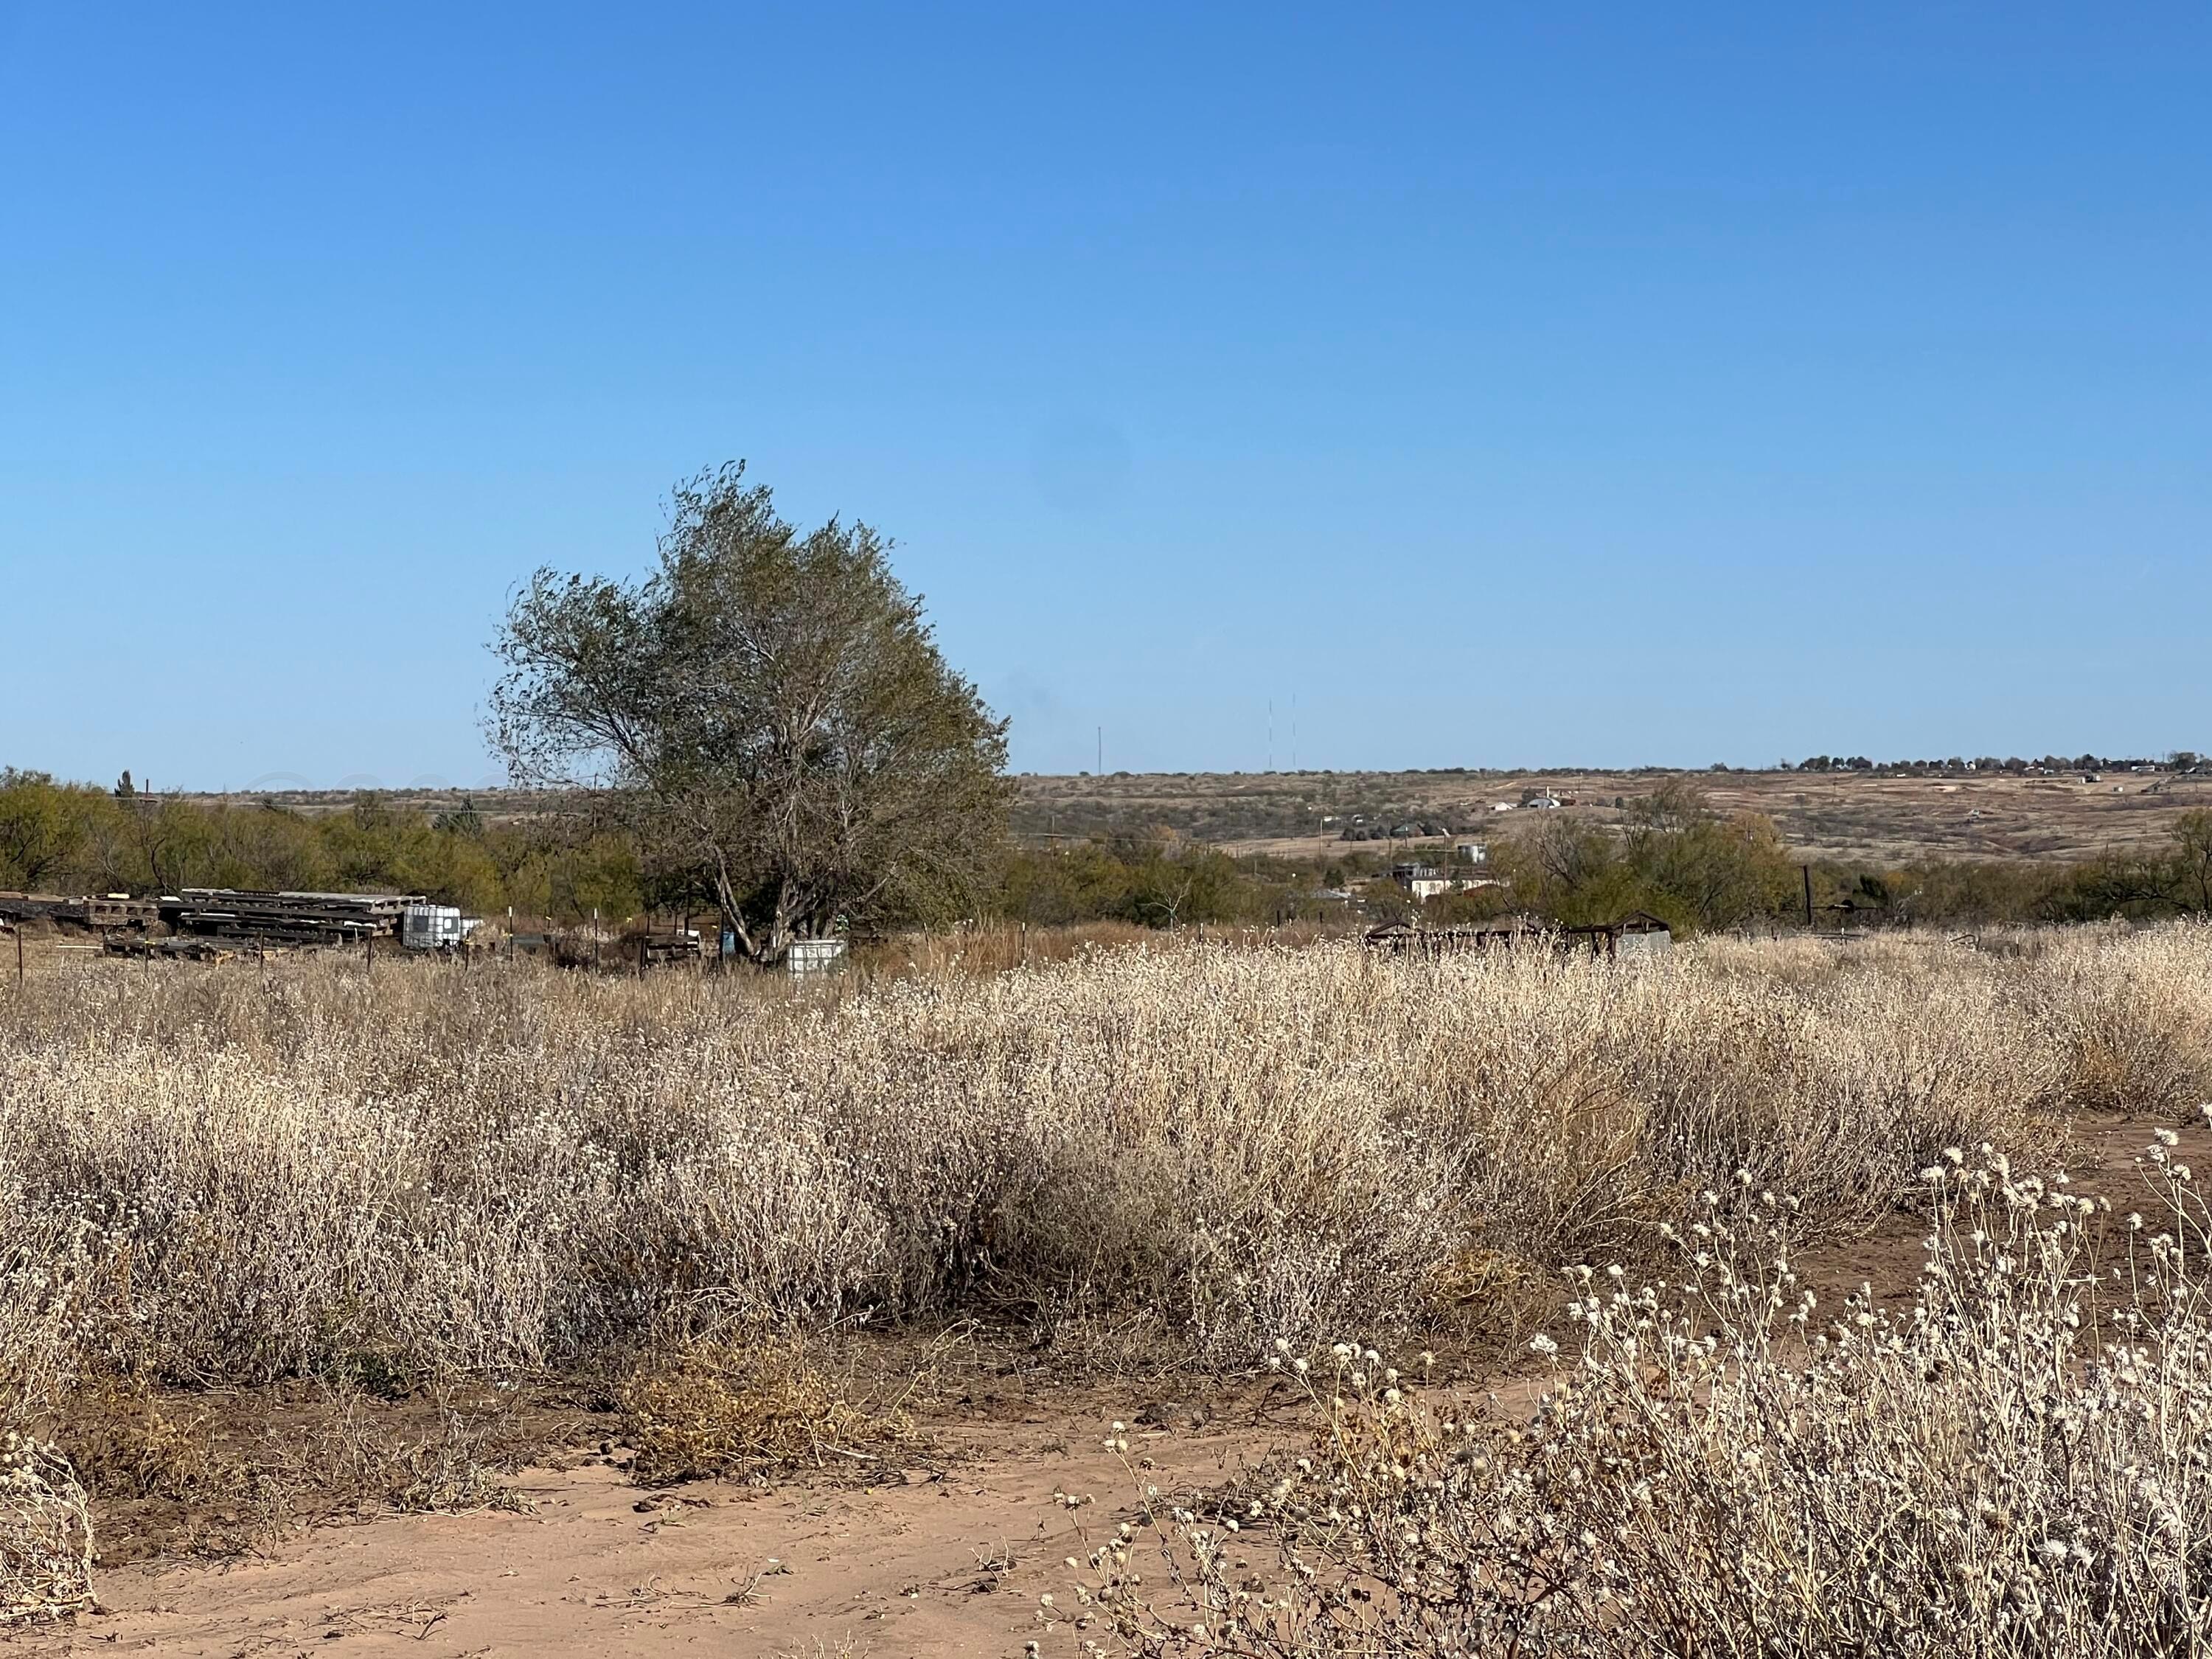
(287, 918)
(101, 911)
(31, 906)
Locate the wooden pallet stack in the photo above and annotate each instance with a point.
(107, 911)
(287, 918)
(31, 906)
(98, 910)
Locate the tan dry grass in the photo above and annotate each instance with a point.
(493, 1171)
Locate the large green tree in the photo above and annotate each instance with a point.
(768, 707)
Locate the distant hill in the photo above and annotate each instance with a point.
(1864, 814)
(1869, 816)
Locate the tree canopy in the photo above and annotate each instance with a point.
(769, 713)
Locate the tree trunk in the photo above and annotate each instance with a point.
(733, 921)
(779, 927)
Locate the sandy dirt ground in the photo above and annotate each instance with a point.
(949, 1558)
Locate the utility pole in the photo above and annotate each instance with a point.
(1102, 751)
(1271, 734)
(1807, 871)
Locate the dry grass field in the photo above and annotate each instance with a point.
(549, 1265)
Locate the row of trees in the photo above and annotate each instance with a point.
(74, 838)
(2181, 760)
(1157, 880)
(1673, 857)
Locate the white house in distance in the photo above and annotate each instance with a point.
(1426, 881)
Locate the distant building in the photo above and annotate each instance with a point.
(1425, 881)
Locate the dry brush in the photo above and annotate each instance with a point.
(212, 1176)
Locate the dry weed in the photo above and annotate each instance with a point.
(216, 1178)
(126, 1442)
(197, 1479)
(355, 1460)
(744, 1405)
(2019, 1463)
(501, 1171)
(45, 1533)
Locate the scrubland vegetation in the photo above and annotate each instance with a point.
(2015, 1463)
(1672, 851)
(211, 1176)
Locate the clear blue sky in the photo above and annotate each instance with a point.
(1506, 384)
